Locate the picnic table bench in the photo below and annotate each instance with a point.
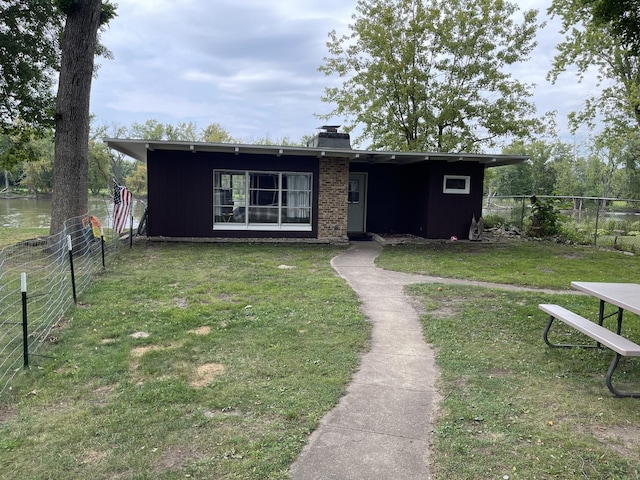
(620, 345)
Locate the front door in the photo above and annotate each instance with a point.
(357, 203)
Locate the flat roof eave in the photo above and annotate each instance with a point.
(137, 149)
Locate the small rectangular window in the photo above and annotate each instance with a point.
(456, 184)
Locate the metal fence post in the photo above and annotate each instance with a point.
(595, 234)
(73, 275)
(25, 330)
(102, 245)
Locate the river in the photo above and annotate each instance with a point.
(36, 213)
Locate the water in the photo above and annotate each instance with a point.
(32, 213)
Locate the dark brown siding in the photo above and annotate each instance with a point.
(181, 191)
(450, 214)
(409, 199)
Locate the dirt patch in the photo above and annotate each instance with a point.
(204, 374)
(7, 415)
(500, 372)
(176, 458)
(103, 394)
(621, 439)
(181, 303)
(140, 351)
(91, 457)
(139, 335)
(204, 330)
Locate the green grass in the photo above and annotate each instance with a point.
(527, 263)
(241, 360)
(10, 235)
(513, 406)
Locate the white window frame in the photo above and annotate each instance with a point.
(460, 191)
(278, 226)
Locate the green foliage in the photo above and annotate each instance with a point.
(99, 167)
(29, 51)
(494, 221)
(621, 18)
(216, 133)
(37, 166)
(590, 44)
(38, 176)
(431, 76)
(544, 220)
(137, 180)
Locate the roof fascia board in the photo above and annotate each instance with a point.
(137, 149)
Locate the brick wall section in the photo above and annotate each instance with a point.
(332, 199)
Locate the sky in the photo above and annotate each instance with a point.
(251, 66)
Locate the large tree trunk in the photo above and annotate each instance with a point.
(70, 169)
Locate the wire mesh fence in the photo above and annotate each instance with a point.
(40, 280)
(608, 222)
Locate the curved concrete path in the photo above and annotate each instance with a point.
(381, 428)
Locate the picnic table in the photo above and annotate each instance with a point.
(624, 296)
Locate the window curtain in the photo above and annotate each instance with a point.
(298, 198)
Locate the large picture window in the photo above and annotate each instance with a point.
(262, 200)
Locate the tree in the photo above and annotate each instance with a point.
(79, 46)
(604, 165)
(120, 166)
(37, 166)
(137, 180)
(512, 180)
(99, 167)
(620, 17)
(630, 174)
(570, 171)
(432, 75)
(541, 155)
(154, 130)
(216, 133)
(29, 54)
(591, 44)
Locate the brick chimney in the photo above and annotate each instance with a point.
(329, 137)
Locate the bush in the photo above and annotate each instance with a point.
(494, 221)
(544, 220)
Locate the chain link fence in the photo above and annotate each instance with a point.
(40, 280)
(607, 222)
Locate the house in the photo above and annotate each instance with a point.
(324, 192)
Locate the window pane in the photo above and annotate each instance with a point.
(263, 214)
(230, 192)
(354, 191)
(296, 198)
(264, 189)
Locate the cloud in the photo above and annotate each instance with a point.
(250, 65)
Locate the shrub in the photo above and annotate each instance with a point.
(544, 220)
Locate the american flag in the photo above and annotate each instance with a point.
(121, 206)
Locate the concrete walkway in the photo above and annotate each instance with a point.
(381, 429)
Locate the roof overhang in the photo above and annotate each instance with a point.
(138, 149)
